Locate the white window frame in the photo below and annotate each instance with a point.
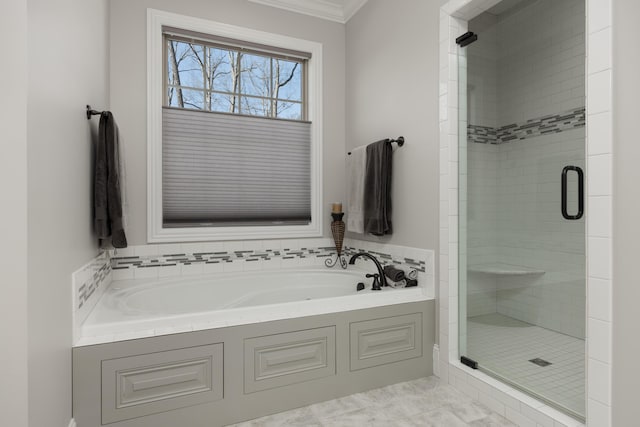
(156, 233)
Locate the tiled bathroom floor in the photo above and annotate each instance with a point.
(422, 402)
(505, 346)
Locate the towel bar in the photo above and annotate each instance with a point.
(399, 141)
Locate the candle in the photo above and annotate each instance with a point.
(336, 207)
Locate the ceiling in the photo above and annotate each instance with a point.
(333, 10)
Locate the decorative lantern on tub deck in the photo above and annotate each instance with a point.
(337, 230)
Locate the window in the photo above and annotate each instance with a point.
(234, 132)
(228, 79)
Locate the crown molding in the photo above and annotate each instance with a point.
(319, 8)
(351, 7)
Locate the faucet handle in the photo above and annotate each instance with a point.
(375, 286)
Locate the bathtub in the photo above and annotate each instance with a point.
(131, 309)
(209, 351)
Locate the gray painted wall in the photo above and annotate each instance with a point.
(626, 228)
(59, 187)
(13, 220)
(68, 68)
(392, 89)
(129, 95)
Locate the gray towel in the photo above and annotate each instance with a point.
(393, 273)
(107, 195)
(377, 189)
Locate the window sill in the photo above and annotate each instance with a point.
(202, 234)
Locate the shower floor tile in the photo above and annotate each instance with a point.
(506, 347)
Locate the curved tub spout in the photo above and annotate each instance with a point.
(383, 279)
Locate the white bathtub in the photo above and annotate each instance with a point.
(141, 308)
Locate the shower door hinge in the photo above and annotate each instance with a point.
(469, 362)
(467, 38)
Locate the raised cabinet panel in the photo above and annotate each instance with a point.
(289, 358)
(157, 382)
(381, 341)
(163, 382)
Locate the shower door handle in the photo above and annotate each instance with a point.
(580, 212)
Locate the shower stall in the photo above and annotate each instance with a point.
(521, 231)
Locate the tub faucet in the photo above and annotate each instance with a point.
(376, 284)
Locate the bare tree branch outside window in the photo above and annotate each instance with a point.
(226, 80)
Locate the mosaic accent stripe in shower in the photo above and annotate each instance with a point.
(481, 134)
(555, 123)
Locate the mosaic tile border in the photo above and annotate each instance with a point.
(555, 123)
(481, 134)
(388, 259)
(88, 283)
(217, 257)
(90, 278)
(317, 255)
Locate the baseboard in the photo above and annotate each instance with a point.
(436, 360)
(72, 423)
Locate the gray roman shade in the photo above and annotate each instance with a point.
(227, 169)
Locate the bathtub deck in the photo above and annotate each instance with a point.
(105, 325)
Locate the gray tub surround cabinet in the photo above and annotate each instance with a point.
(222, 376)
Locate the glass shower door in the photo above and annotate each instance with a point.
(521, 189)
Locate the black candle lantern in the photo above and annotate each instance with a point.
(337, 230)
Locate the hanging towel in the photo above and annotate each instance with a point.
(356, 165)
(108, 215)
(377, 189)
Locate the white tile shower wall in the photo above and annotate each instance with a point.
(525, 65)
(449, 129)
(482, 84)
(599, 226)
(532, 233)
(453, 18)
(482, 225)
(87, 285)
(514, 187)
(541, 61)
